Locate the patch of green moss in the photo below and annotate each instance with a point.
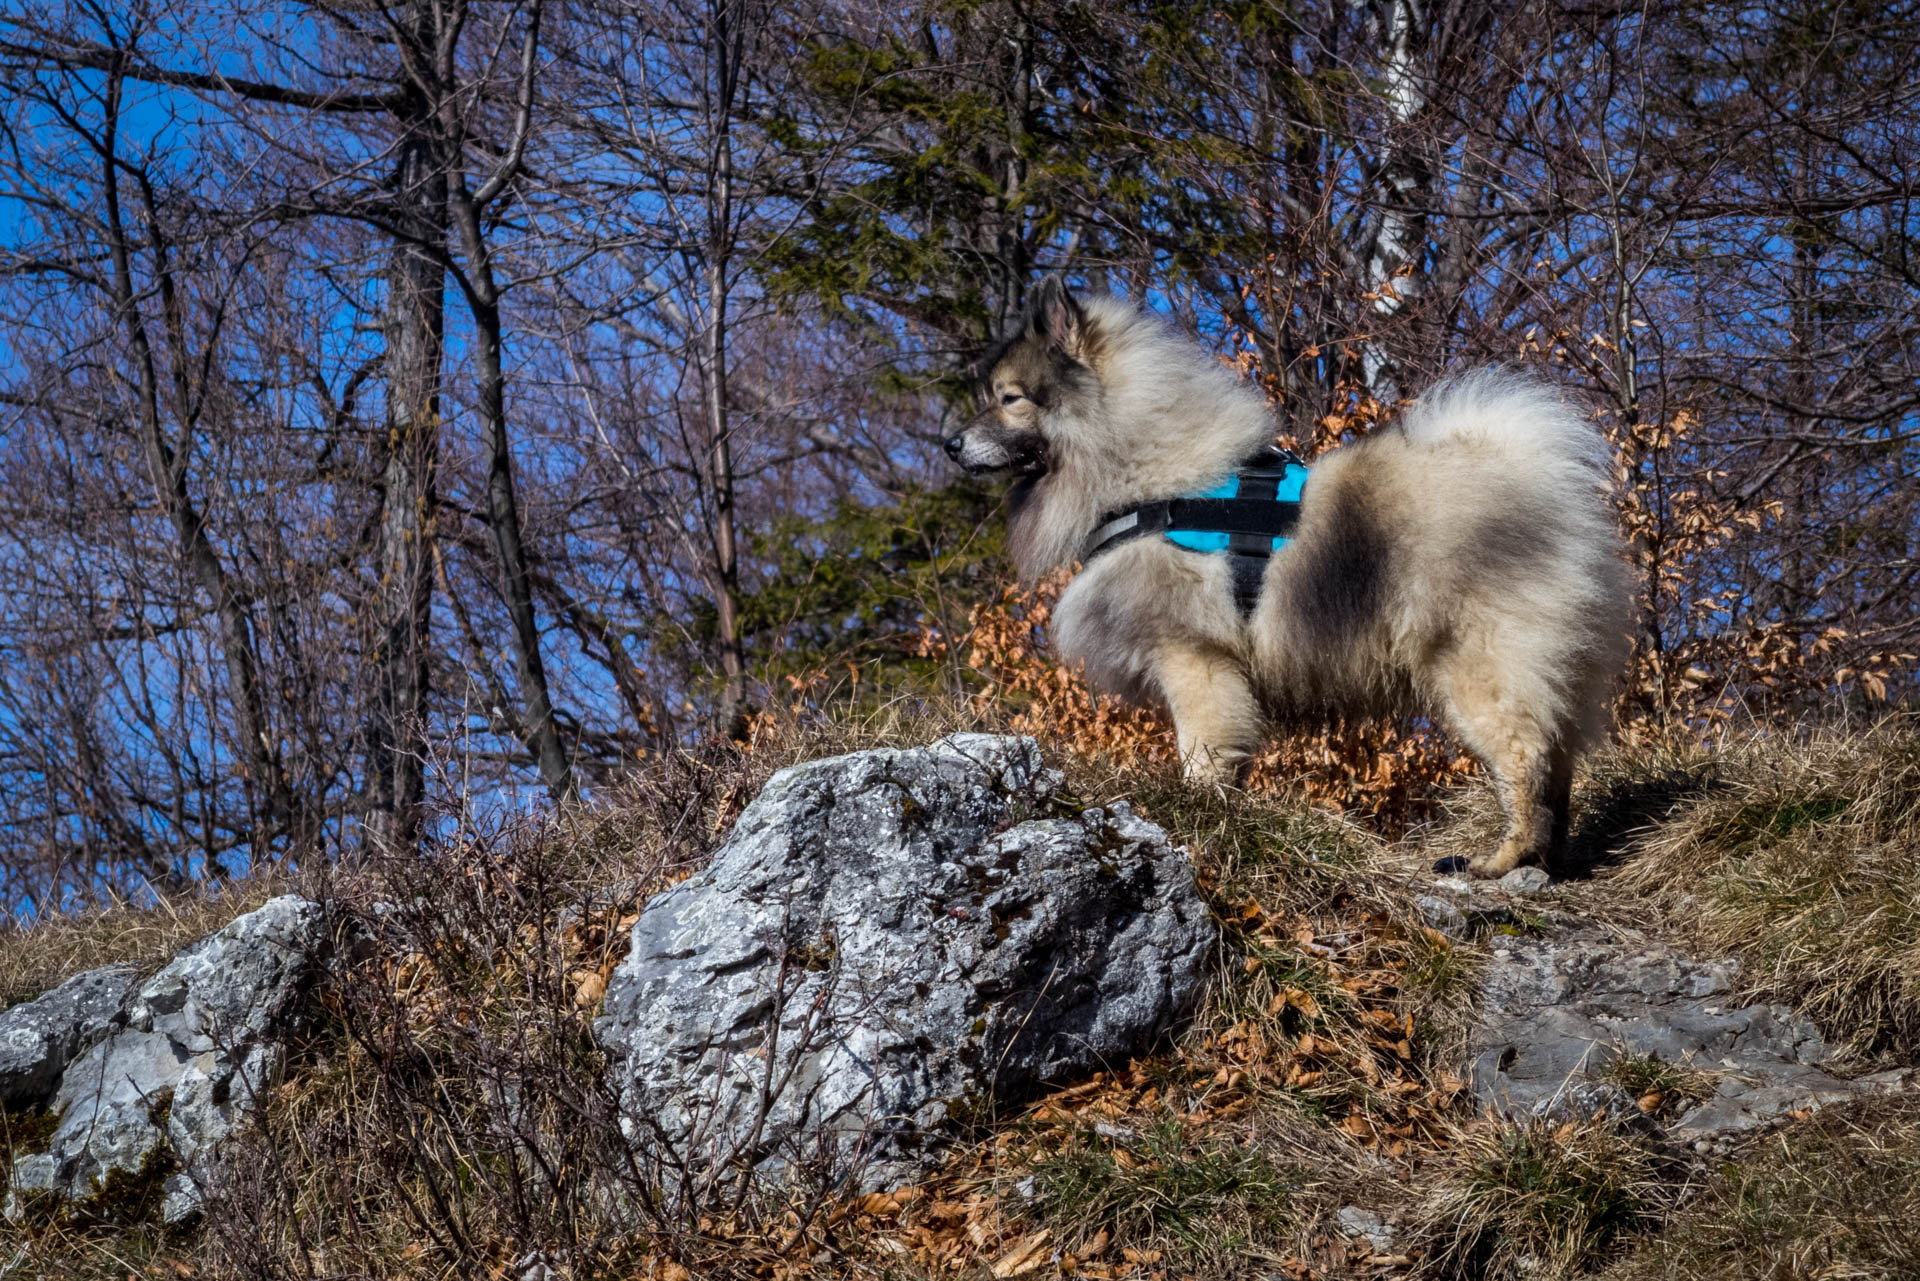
(818, 955)
(127, 1198)
(974, 1111)
(123, 1199)
(23, 1131)
(160, 1108)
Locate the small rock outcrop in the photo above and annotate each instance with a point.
(157, 1076)
(886, 940)
(1557, 1010)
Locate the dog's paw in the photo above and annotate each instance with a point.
(1452, 865)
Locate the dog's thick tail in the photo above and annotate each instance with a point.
(1523, 422)
(1535, 472)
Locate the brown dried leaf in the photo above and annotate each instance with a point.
(1026, 1255)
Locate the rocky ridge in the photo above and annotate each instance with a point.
(891, 940)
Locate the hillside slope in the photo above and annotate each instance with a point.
(1730, 963)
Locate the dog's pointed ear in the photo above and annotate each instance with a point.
(1058, 318)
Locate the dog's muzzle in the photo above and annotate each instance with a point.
(977, 453)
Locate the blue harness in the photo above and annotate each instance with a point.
(1247, 518)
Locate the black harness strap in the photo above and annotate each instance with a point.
(1251, 521)
(1249, 572)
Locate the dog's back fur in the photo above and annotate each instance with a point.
(1476, 527)
(1462, 561)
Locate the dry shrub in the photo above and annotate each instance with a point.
(1835, 1197)
(1798, 853)
(1701, 656)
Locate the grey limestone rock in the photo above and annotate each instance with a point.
(38, 1038)
(1584, 1099)
(1556, 1010)
(1367, 1225)
(1526, 880)
(186, 1058)
(1442, 914)
(889, 938)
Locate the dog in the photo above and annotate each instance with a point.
(1464, 561)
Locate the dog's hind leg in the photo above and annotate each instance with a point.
(1557, 799)
(1214, 713)
(1532, 767)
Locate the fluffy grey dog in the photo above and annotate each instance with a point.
(1463, 562)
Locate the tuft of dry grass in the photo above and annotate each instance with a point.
(1199, 1199)
(1540, 1199)
(1835, 1197)
(1798, 854)
(1660, 1087)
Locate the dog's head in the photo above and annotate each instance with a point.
(1033, 387)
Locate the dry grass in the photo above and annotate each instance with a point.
(1205, 1200)
(1799, 854)
(36, 957)
(1836, 1197)
(1620, 792)
(452, 1118)
(1660, 1087)
(1541, 1200)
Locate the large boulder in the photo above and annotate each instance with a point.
(180, 1063)
(889, 939)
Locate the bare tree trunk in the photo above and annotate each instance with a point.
(1401, 188)
(415, 335)
(503, 515)
(725, 45)
(1010, 240)
(540, 731)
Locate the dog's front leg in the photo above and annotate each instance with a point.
(1214, 713)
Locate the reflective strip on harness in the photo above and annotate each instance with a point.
(1110, 531)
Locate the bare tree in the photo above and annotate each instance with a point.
(472, 209)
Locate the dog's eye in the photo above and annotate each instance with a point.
(1011, 398)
